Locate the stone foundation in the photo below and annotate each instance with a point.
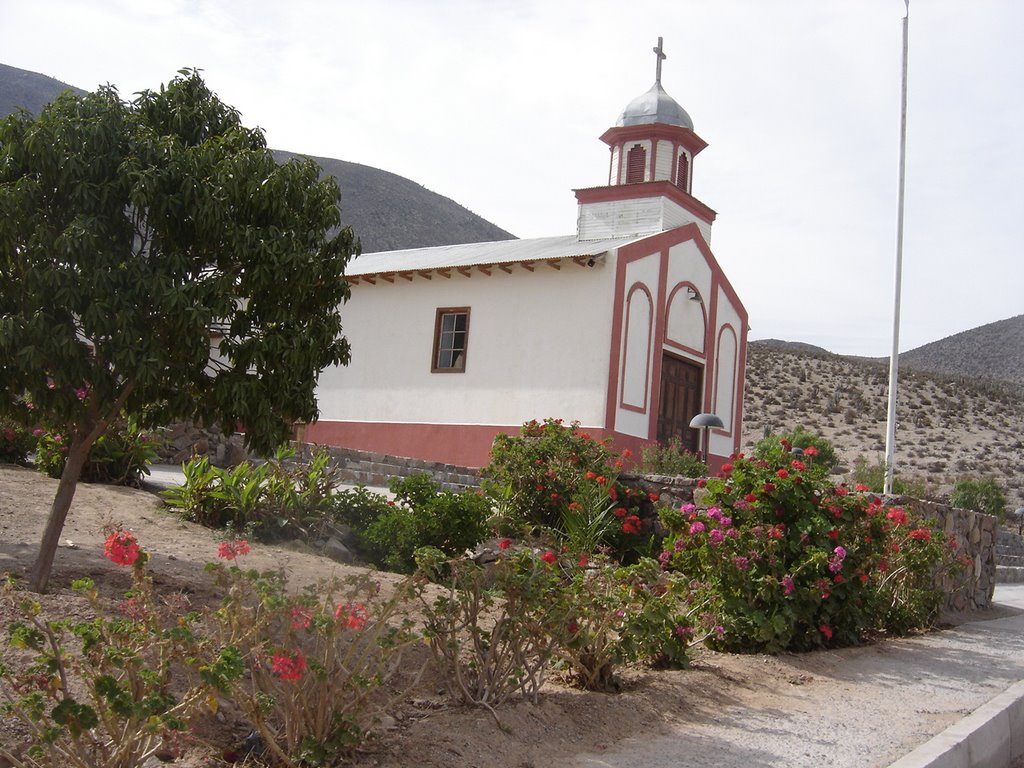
(184, 440)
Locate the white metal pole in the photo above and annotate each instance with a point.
(894, 358)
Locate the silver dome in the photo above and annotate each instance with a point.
(655, 106)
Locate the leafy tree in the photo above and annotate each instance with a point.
(155, 261)
(982, 495)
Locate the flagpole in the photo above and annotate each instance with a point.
(894, 358)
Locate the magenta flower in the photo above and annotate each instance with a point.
(697, 527)
(787, 585)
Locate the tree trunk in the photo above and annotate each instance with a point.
(77, 455)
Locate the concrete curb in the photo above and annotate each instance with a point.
(990, 737)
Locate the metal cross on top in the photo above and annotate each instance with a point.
(660, 53)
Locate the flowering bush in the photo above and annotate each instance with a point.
(617, 614)
(120, 456)
(16, 443)
(823, 454)
(107, 691)
(800, 563)
(315, 665)
(557, 479)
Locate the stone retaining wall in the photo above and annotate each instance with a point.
(182, 441)
(376, 469)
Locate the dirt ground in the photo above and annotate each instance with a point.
(427, 730)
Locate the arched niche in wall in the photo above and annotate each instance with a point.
(686, 323)
(726, 363)
(636, 348)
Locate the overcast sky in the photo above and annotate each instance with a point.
(498, 104)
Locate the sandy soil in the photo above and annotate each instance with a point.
(722, 700)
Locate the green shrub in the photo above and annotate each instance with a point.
(872, 477)
(980, 494)
(120, 456)
(276, 499)
(16, 443)
(799, 437)
(799, 563)
(423, 515)
(671, 459)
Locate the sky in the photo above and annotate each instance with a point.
(498, 105)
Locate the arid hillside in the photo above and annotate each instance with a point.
(947, 427)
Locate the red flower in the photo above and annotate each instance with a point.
(539, 488)
(768, 487)
(584, 561)
(121, 548)
(653, 497)
(591, 475)
(838, 578)
(863, 578)
(549, 557)
(627, 454)
(861, 488)
(810, 450)
(833, 534)
(826, 630)
(504, 543)
(288, 667)
(619, 512)
(782, 474)
(921, 534)
(352, 615)
(750, 497)
(798, 465)
(613, 494)
(701, 483)
(883, 565)
(601, 479)
(897, 515)
(840, 490)
(726, 469)
(229, 550)
(302, 618)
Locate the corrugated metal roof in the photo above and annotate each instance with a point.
(478, 254)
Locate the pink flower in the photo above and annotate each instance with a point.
(921, 534)
(229, 550)
(826, 630)
(741, 563)
(121, 548)
(81, 393)
(549, 557)
(696, 528)
(37, 432)
(897, 515)
(288, 667)
(716, 537)
(352, 615)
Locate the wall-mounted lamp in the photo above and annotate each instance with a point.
(694, 296)
(704, 422)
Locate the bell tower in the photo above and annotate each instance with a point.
(650, 175)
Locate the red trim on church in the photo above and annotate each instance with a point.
(464, 445)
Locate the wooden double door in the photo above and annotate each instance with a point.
(681, 396)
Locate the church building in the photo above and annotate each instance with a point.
(629, 326)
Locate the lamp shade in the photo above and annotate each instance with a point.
(702, 420)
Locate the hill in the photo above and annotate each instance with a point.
(385, 210)
(21, 89)
(947, 427)
(994, 351)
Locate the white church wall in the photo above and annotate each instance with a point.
(727, 384)
(619, 218)
(537, 347)
(636, 355)
(613, 174)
